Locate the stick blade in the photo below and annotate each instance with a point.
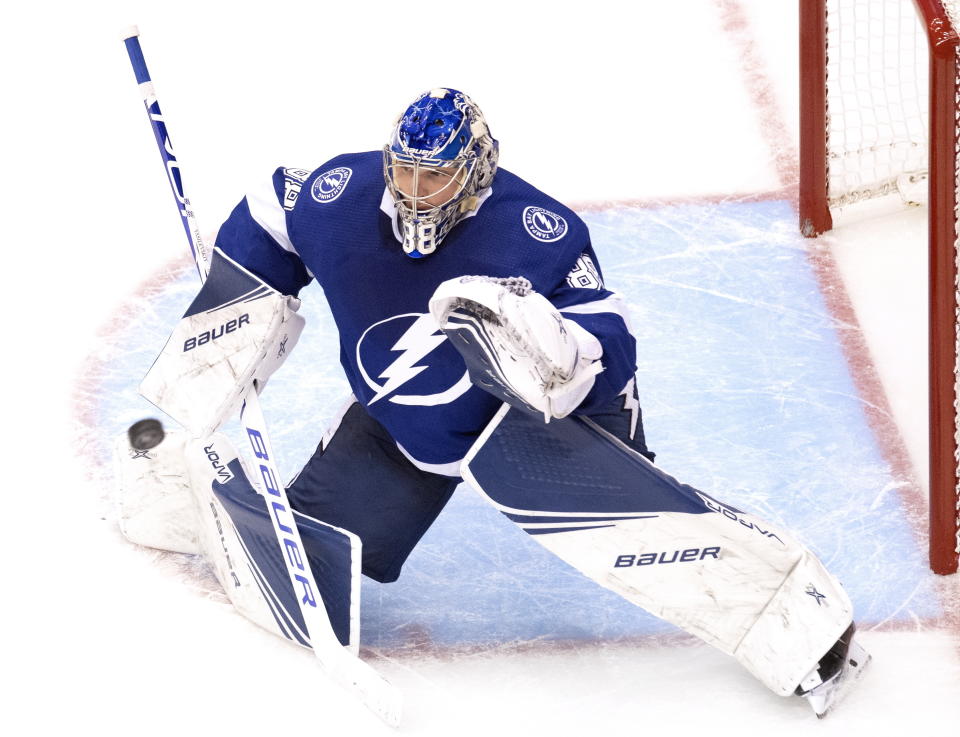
(377, 693)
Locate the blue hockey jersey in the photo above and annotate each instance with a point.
(338, 225)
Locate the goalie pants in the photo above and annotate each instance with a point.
(359, 480)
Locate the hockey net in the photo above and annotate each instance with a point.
(879, 102)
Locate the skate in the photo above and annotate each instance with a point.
(835, 675)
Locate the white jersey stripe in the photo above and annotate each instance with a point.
(612, 303)
(269, 214)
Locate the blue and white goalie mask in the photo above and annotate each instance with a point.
(439, 159)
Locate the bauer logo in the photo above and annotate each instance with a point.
(330, 185)
(544, 225)
(218, 332)
(674, 556)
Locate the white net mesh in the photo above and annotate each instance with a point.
(876, 98)
(878, 119)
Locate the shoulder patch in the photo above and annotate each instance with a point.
(543, 225)
(330, 185)
(293, 180)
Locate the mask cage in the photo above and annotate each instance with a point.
(428, 194)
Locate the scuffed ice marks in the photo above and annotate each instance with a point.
(745, 389)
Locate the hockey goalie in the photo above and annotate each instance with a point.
(529, 394)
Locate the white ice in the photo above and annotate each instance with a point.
(594, 102)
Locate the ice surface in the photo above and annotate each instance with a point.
(746, 395)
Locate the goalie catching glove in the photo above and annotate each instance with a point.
(235, 334)
(517, 345)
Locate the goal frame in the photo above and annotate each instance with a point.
(815, 218)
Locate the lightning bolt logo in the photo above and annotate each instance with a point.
(631, 404)
(544, 223)
(328, 186)
(419, 340)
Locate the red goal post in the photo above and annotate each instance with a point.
(879, 101)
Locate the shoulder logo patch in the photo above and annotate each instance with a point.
(330, 185)
(544, 225)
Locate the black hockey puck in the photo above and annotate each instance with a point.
(145, 434)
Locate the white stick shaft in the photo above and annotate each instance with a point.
(351, 672)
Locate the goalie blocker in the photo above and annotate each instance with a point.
(237, 332)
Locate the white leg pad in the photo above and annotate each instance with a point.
(741, 591)
(739, 583)
(247, 588)
(801, 622)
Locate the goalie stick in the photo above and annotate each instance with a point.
(376, 692)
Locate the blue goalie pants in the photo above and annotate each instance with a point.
(359, 480)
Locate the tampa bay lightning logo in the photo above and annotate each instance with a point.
(330, 185)
(544, 225)
(410, 353)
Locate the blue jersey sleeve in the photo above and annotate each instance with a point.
(583, 298)
(256, 235)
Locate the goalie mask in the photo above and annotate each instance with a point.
(439, 158)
